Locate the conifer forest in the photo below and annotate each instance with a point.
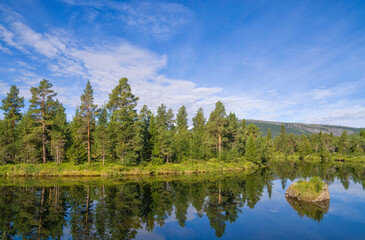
(117, 133)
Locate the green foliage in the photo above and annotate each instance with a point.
(116, 133)
(9, 137)
(216, 126)
(88, 111)
(41, 106)
(250, 153)
(122, 105)
(309, 190)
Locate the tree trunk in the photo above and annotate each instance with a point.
(43, 130)
(103, 156)
(88, 140)
(87, 209)
(219, 143)
(219, 193)
(41, 213)
(44, 141)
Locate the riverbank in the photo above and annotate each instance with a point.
(112, 169)
(315, 158)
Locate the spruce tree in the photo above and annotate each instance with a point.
(162, 149)
(77, 152)
(198, 145)
(181, 139)
(102, 140)
(59, 132)
(30, 141)
(362, 133)
(232, 132)
(11, 105)
(304, 147)
(41, 105)
(122, 105)
(282, 141)
(250, 152)
(268, 136)
(88, 111)
(144, 122)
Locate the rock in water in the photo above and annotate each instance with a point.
(296, 191)
(313, 210)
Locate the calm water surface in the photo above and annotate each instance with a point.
(234, 206)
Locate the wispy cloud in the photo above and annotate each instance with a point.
(282, 89)
(158, 19)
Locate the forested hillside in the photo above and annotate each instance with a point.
(116, 132)
(301, 128)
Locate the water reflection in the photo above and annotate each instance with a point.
(120, 209)
(314, 210)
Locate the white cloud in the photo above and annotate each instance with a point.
(69, 63)
(5, 50)
(340, 116)
(8, 37)
(44, 44)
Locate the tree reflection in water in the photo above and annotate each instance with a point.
(117, 209)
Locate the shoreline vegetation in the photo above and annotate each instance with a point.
(119, 138)
(112, 169)
(97, 169)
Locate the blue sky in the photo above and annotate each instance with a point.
(292, 61)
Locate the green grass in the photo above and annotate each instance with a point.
(316, 158)
(308, 190)
(112, 169)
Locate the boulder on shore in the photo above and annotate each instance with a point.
(304, 191)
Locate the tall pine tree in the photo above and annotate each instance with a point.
(217, 125)
(41, 105)
(88, 113)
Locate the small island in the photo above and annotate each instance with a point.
(314, 190)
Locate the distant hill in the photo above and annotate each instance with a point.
(300, 128)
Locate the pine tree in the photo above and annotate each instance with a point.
(88, 113)
(216, 125)
(41, 105)
(122, 105)
(11, 105)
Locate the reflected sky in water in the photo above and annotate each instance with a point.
(275, 219)
(233, 206)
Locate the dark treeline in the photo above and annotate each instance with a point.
(116, 132)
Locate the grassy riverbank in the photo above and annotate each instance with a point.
(316, 158)
(112, 169)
